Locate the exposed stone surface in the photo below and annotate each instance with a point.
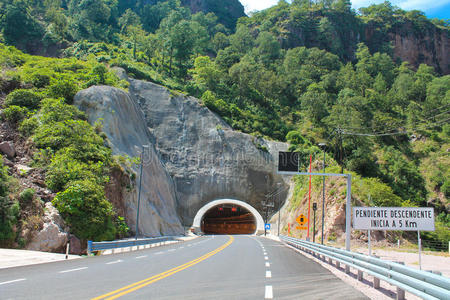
(53, 236)
(8, 149)
(75, 245)
(124, 125)
(23, 170)
(206, 158)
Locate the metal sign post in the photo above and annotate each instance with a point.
(370, 248)
(419, 242)
(348, 206)
(314, 221)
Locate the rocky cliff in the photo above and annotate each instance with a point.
(124, 125)
(206, 158)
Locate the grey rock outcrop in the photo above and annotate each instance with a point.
(124, 125)
(206, 158)
(53, 236)
(8, 149)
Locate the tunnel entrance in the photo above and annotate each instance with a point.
(228, 219)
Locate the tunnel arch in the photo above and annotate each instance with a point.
(202, 211)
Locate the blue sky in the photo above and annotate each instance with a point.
(433, 9)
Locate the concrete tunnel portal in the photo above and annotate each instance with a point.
(228, 216)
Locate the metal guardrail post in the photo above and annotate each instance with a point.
(89, 248)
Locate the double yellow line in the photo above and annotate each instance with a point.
(140, 284)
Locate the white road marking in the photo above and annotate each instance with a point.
(12, 281)
(268, 274)
(189, 245)
(114, 262)
(266, 258)
(73, 270)
(269, 292)
(143, 256)
(158, 253)
(170, 250)
(265, 253)
(181, 247)
(267, 264)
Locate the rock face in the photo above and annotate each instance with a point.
(206, 158)
(124, 125)
(8, 149)
(53, 236)
(431, 47)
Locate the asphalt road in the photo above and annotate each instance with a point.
(210, 267)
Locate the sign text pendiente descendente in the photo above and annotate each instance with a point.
(383, 213)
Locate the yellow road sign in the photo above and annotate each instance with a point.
(301, 227)
(301, 220)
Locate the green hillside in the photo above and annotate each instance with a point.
(297, 73)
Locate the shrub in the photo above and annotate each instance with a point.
(14, 114)
(27, 195)
(84, 207)
(22, 97)
(63, 88)
(55, 110)
(64, 168)
(9, 209)
(28, 126)
(40, 80)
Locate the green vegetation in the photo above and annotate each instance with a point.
(300, 72)
(67, 147)
(9, 209)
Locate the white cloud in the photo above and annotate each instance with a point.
(423, 5)
(252, 5)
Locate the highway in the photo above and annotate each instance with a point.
(209, 267)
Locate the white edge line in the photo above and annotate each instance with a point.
(269, 292)
(73, 270)
(12, 281)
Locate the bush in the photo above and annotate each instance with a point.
(9, 209)
(40, 80)
(64, 168)
(63, 88)
(22, 97)
(445, 188)
(26, 196)
(84, 207)
(28, 126)
(14, 114)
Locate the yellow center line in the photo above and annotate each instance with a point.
(140, 284)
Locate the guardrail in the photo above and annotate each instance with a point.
(420, 283)
(99, 246)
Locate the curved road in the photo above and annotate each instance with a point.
(210, 267)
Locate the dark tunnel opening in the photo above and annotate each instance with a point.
(228, 219)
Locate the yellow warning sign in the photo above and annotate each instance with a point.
(301, 227)
(301, 220)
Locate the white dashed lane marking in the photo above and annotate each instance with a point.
(269, 292)
(267, 264)
(268, 274)
(158, 253)
(266, 258)
(12, 281)
(73, 270)
(171, 250)
(143, 256)
(114, 262)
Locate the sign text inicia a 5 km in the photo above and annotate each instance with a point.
(393, 218)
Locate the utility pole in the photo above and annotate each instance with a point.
(139, 192)
(323, 192)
